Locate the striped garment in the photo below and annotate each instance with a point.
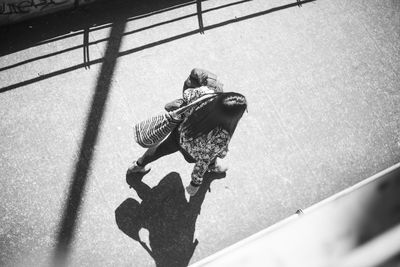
(153, 130)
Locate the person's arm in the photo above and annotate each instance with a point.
(222, 140)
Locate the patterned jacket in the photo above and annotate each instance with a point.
(205, 148)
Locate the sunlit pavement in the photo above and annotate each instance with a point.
(322, 84)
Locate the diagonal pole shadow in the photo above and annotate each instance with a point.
(87, 30)
(73, 203)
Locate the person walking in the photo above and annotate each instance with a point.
(202, 137)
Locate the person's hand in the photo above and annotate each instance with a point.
(175, 116)
(192, 190)
(175, 104)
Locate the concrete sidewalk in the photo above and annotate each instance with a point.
(322, 84)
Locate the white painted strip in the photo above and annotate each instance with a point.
(280, 224)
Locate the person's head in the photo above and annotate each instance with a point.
(224, 110)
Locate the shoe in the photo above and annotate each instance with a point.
(217, 169)
(138, 169)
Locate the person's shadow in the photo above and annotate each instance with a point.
(166, 214)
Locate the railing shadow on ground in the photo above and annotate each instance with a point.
(94, 17)
(70, 23)
(85, 23)
(167, 216)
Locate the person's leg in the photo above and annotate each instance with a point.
(214, 167)
(168, 146)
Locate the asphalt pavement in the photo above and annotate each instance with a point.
(322, 82)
